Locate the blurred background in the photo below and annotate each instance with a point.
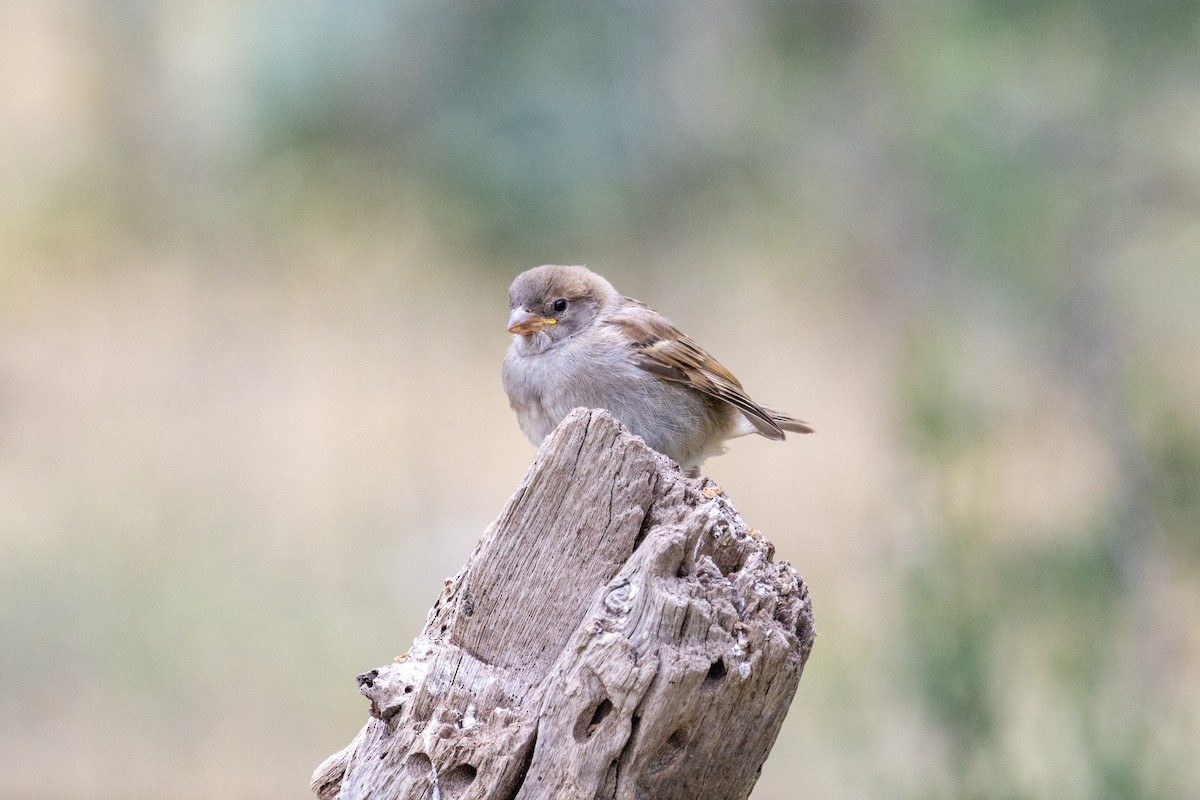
(253, 262)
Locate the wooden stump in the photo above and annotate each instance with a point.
(618, 632)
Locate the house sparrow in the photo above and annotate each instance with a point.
(578, 342)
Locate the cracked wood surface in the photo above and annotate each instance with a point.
(618, 632)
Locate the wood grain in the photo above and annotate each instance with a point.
(618, 632)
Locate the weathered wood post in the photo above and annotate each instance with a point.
(618, 632)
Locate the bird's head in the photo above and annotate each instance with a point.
(556, 302)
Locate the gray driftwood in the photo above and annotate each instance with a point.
(618, 632)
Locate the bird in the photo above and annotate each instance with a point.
(576, 341)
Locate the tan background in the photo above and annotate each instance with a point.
(253, 259)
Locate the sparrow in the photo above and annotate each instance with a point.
(578, 342)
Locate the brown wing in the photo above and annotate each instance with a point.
(661, 349)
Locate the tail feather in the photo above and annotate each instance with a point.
(788, 423)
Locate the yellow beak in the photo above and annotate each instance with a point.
(526, 323)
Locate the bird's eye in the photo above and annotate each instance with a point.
(560, 305)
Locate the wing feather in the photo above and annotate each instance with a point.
(662, 350)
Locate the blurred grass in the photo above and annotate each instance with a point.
(252, 271)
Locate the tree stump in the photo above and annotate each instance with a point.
(618, 632)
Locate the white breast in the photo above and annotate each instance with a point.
(543, 385)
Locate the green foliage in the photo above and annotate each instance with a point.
(1173, 467)
(951, 640)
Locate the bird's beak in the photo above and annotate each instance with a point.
(527, 323)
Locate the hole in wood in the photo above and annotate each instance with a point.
(669, 753)
(456, 781)
(510, 792)
(715, 673)
(418, 765)
(643, 529)
(590, 722)
(609, 787)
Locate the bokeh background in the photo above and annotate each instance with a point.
(253, 261)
